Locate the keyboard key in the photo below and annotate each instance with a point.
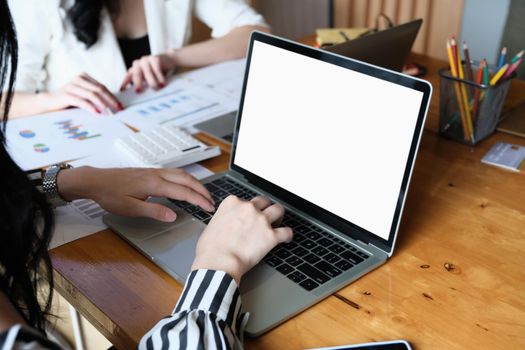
(320, 251)
(284, 269)
(236, 192)
(298, 237)
(294, 261)
(192, 209)
(283, 253)
(291, 222)
(290, 245)
(302, 229)
(328, 269)
(331, 257)
(311, 258)
(313, 273)
(219, 182)
(308, 244)
(296, 276)
(337, 240)
(336, 248)
(221, 194)
(313, 235)
(300, 251)
(273, 261)
(227, 187)
(343, 265)
(211, 187)
(354, 259)
(363, 255)
(308, 284)
(206, 221)
(325, 242)
(201, 215)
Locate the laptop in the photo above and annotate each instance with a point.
(387, 48)
(334, 141)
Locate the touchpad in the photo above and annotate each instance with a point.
(174, 250)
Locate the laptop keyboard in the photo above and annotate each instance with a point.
(311, 259)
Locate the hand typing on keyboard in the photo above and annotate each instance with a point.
(239, 235)
(124, 191)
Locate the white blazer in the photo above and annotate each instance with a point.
(50, 54)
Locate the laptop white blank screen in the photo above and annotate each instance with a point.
(335, 137)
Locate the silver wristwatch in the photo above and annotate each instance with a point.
(50, 186)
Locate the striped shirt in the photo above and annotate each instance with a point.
(207, 316)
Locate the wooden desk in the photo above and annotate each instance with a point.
(456, 280)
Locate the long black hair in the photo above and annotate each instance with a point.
(26, 219)
(85, 17)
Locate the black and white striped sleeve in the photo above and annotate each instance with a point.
(207, 315)
(21, 337)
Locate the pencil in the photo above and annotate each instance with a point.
(512, 68)
(499, 74)
(470, 74)
(478, 92)
(517, 57)
(464, 96)
(501, 61)
(452, 63)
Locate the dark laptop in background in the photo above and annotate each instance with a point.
(388, 48)
(334, 141)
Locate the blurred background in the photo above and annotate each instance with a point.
(486, 25)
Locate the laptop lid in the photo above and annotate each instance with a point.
(387, 48)
(332, 136)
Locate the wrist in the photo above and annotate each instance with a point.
(174, 56)
(47, 101)
(228, 264)
(73, 183)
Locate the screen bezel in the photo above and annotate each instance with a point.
(352, 230)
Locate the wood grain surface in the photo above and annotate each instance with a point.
(455, 281)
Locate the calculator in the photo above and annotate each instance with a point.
(166, 147)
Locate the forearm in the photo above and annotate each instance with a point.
(231, 46)
(25, 103)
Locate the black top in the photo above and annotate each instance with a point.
(133, 49)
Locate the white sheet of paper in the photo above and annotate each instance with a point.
(50, 138)
(225, 78)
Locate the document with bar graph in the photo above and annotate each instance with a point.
(180, 104)
(51, 138)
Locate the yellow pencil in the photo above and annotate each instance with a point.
(456, 88)
(499, 74)
(464, 94)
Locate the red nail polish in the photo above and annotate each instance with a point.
(162, 85)
(120, 106)
(97, 110)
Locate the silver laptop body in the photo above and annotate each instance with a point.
(311, 191)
